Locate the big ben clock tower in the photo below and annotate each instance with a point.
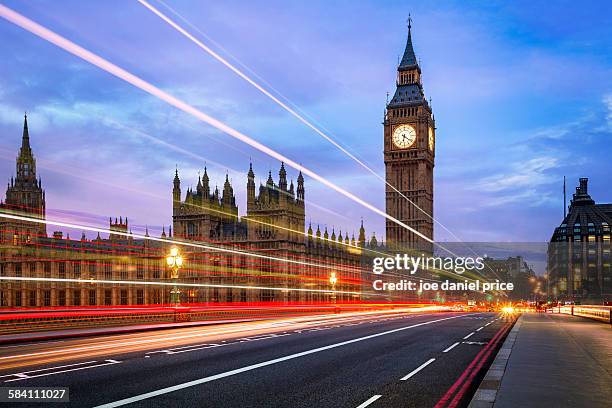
(409, 150)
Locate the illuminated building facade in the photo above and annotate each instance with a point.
(579, 261)
(274, 226)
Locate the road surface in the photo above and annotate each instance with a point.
(355, 360)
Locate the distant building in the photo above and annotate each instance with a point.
(579, 263)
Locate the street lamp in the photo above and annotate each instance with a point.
(174, 261)
(332, 280)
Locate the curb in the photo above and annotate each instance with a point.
(487, 391)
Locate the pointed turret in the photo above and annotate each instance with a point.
(250, 186)
(362, 236)
(270, 182)
(176, 190)
(205, 185)
(300, 187)
(163, 234)
(228, 192)
(282, 177)
(26, 164)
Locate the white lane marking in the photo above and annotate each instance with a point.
(26, 375)
(450, 348)
(369, 401)
(51, 368)
(193, 383)
(419, 368)
(479, 329)
(468, 336)
(488, 323)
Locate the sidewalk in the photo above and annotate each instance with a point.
(550, 360)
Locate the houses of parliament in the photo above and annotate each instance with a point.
(229, 258)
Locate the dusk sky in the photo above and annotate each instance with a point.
(522, 96)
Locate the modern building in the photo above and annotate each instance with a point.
(409, 153)
(579, 262)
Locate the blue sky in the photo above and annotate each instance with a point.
(522, 95)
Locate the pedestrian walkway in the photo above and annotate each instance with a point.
(551, 361)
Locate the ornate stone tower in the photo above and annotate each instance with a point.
(276, 205)
(409, 151)
(24, 197)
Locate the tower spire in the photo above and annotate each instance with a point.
(409, 58)
(25, 140)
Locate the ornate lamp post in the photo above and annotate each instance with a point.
(332, 280)
(174, 261)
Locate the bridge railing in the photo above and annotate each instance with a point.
(601, 313)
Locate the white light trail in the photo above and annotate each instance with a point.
(78, 51)
(293, 112)
(168, 241)
(190, 285)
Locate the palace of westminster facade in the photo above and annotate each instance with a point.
(274, 228)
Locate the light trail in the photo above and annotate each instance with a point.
(94, 59)
(190, 285)
(334, 267)
(164, 240)
(293, 112)
(119, 344)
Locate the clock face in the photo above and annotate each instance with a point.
(404, 136)
(431, 139)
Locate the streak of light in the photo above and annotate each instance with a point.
(293, 112)
(163, 240)
(190, 285)
(69, 46)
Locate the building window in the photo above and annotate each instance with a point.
(92, 297)
(139, 270)
(76, 298)
(32, 298)
(62, 298)
(47, 269)
(32, 268)
(108, 271)
(92, 269)
(76, 270)
(61, 270)
(140, 297)
(18, 269)
(124, 297)
(108, 297)
(17, 298)
(47, 298)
